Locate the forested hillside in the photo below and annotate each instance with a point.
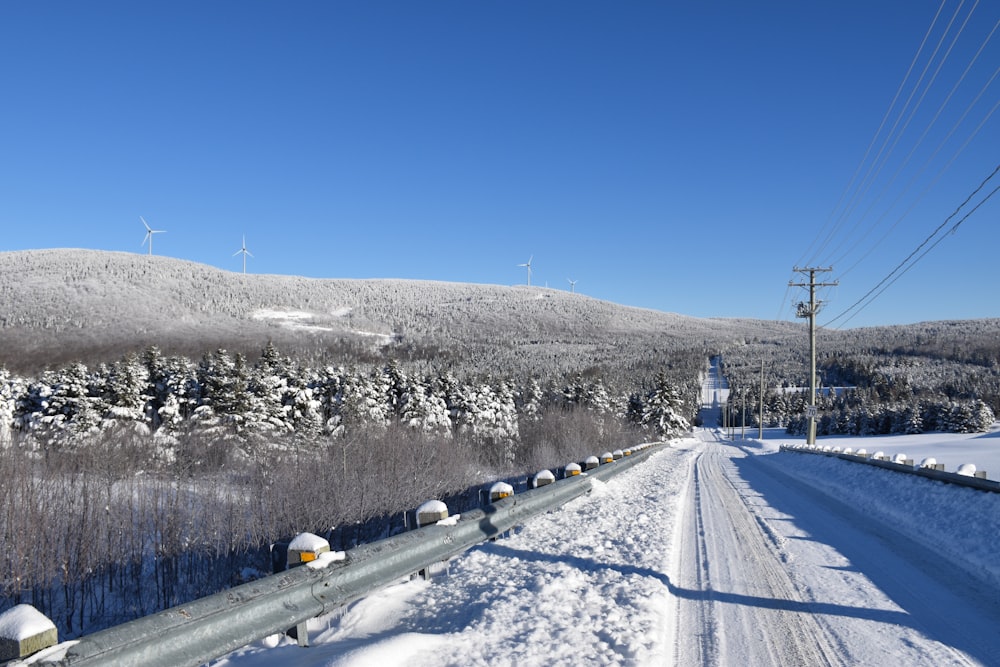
(65, 306)
(932, 376)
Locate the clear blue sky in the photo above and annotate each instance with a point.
(681, 156)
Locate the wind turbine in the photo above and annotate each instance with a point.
(572, 284)
(243, 251)
(528, 266)
(149, 234)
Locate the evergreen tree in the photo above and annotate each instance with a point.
(125, 392)
(270, 396)
(531, 402)
(65, 401)
(329, 385)
(489, 417)
(912, 423)
(225, 399)
(661, 410)
(421, 408)
(395, 384)
(304, 406)
(959, 418)
(10, 388)
(574, 394)
(982, 417)
(174, 391)
(867, 422)
(363, 402)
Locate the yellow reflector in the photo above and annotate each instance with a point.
(307, 556)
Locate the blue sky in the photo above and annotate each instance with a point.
(676, 156)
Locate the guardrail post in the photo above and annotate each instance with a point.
(302, 634)
(542, 478)
(25, 631)
(304, 548)
(428, 514)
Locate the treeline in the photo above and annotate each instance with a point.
(857, 411)
(933, 362)
(141, 484)
(229, 398)
(934, 376)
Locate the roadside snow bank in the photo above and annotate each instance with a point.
(959, 522)
(585, 583)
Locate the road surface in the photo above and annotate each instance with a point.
(768, 571)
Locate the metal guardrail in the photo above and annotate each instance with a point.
(979, 483)
(210, 627)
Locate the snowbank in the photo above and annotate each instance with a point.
(960, 523)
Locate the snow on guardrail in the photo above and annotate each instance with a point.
(965, 475)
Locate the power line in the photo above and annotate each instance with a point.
(933, 155)
(933, 245)
(936, 178)
(871, 144)
(882, 159)
(923, 243)
(855, 226)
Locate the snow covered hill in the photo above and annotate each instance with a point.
(60, 304)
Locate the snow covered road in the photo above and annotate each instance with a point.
(711, 552)
(770, 571)
(736, 603)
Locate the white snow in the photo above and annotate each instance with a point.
(967, 469)
(294, 319)
(543, 477)
(325, 559)
(50, 654)
(501, 490)
(433, 507)
(290, 315)
(23, 621)
(594, 582)
(381, 338)
(308, 542)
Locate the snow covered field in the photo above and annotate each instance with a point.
(834, 561)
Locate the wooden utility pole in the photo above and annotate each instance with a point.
(760, 422)
(809, 310)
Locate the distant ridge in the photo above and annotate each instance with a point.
(62, 304)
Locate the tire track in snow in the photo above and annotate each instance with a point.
(735, 600)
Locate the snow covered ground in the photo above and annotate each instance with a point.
(832, 562)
